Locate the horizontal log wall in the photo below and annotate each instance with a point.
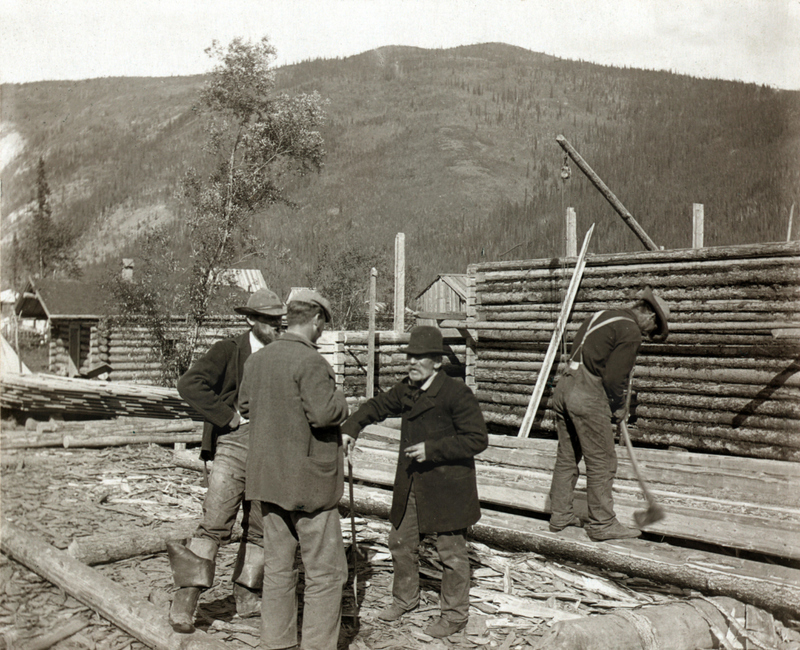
(728, 377)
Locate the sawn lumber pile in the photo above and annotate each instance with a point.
(46, 395)
(726, 379)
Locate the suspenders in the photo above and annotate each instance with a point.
(574, 365)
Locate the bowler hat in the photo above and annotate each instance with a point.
(262, 303)
(661, 310)
(425, 339)
(314, 298)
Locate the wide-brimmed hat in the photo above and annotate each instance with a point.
(662, 313)
(262, 303)
(425, 339)
(314, 298)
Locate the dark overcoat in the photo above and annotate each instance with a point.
(211, 387)
(295, 457)
(448, 419)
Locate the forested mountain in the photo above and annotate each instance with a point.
(456, 148)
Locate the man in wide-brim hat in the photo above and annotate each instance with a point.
(588, 399)
(435, 491)
(211, 387)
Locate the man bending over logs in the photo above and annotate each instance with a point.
(211, 387)
(589, 397)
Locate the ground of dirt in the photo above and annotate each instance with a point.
(61, 495)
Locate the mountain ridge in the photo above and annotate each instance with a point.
(455, 147)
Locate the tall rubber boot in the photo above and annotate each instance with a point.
(248, 578)
(192, 565)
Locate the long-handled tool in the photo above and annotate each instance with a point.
(655, 512)
(353, 548)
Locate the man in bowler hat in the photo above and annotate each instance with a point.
(588, 399)
(435, 490)
(211, 387)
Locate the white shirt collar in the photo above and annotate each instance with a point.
(428, 382)
(255, 344)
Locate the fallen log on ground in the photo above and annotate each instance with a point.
(140, 619)
(101, 549)
(697, 624)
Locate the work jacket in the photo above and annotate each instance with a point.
(448, 419)
(295, 457)
(211, 387)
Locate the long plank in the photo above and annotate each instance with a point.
(139, 618)
(728, 523)
(558, 332)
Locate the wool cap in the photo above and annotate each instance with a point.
(262, 303)
(425, 339)
(662, 313)
(314, 298)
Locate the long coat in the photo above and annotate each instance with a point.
(448, 419)
(295, 458)
(211, 387)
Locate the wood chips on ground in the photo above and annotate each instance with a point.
(64, 494)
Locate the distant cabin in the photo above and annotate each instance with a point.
(447, 294)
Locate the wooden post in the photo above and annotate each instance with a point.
(789, 230)
(697, 225)
(558, 332)
(399, 282)
(571, 234)
(373, 274)
(608, 194)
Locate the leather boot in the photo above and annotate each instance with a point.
(181, 611)
(192, 565)
(248, 578)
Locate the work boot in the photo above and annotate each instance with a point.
(614, 531)
(192, 564)
(248, 601)
(575, 521)
(444, 627)
(392, 612)
(181, 612)
(248, 578)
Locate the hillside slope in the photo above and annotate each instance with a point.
(455, 147)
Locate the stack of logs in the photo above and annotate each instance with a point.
(726, 379)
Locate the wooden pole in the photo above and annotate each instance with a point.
(607, 193)
(139, 618)
(561, 324)
(571, 234)
(789, 229)
(697, 225)
(370, 392)
(399, 282)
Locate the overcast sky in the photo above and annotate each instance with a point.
(747, 40)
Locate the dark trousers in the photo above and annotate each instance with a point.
(583, 422)
(319, 535)
(453, 554)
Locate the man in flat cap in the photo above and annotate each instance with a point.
(211, 387)
(435, 489)
(590, 396)
(296, 471)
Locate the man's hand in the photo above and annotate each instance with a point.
(416, 452)
(348, 444)
(235, 421)
(620, 415)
